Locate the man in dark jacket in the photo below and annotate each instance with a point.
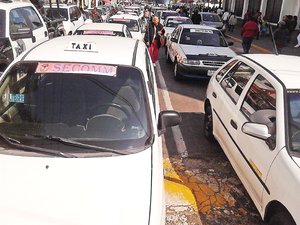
(249, 32)
(154, 32)
(196, 18)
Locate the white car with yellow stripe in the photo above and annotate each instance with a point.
(80, 131)
(197, 51)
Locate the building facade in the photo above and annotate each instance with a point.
(273, 9)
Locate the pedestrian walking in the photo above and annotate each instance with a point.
(225, 18)
(249, 32)
(196, 18)
(232, 22)
(153, 36)
(280, 36)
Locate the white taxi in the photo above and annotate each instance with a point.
(133, 23)
(21, 28)
(252, 109)
(107, 29)
(71, 14)
(80, 132)
(197, 51)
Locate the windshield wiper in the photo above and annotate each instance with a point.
(71, 142)
(18, 145)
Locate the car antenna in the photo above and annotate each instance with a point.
(273, 39)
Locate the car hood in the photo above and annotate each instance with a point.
(75, 191)
(296, 160)
(196, 50)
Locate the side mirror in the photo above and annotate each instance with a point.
(257, 130)
(21, 33)
(167, 118)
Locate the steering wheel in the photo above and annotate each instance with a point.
(114, 105)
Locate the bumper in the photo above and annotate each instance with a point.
(198, 72)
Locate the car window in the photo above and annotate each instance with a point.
(17, 20)
(202, 37)
(94, 104)
(211, 18)
(293, 100)
(57, 13)
(2, 23)
(174, 22)
(131, 24)
(224, 70)
(128, 34)
(259, 105)
(236, 79)
(166, 14)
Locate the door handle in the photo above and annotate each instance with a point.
(214, 95)
(233, 124)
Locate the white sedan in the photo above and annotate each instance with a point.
(80, 135)
(252, 109)
(197, 51)
(133, 23)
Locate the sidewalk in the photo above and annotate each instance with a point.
(264, 44)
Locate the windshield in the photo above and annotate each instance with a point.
(131, 24)
(100, 32)
(166, 14)
(211, 18)
(294, 119)
(2, 23)
(174, 22)
(105, 106)
(202, 37)
(57, 13)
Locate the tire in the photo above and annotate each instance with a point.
(282, 218)
(208, 124)
(177, 77)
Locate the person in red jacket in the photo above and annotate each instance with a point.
(249, 32)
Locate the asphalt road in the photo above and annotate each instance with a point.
(201, 186)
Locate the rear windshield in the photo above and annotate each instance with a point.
(2, 23)
(98, 105)
(100, 32)
(57, 13)
(211, 18)
(131, 24)
(166, 14)
(174, 22)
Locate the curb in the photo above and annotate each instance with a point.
(256, 47)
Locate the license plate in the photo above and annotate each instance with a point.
(210, 72)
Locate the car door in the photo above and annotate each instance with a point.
(26, 17)
(173, 45)
(225, 105)
(258, 106)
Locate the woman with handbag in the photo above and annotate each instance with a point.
(154, 37)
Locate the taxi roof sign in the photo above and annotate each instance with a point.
(82, 46)
(78, 68)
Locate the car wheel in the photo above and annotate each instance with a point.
(208, 124)
(282, 218)
(176, 74)
(167, 56)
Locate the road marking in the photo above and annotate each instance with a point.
(180, 144)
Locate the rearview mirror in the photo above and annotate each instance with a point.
(167, 118)
(174, 40)
(257, 130)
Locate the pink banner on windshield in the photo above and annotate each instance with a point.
(53, 67)
(103, 32)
